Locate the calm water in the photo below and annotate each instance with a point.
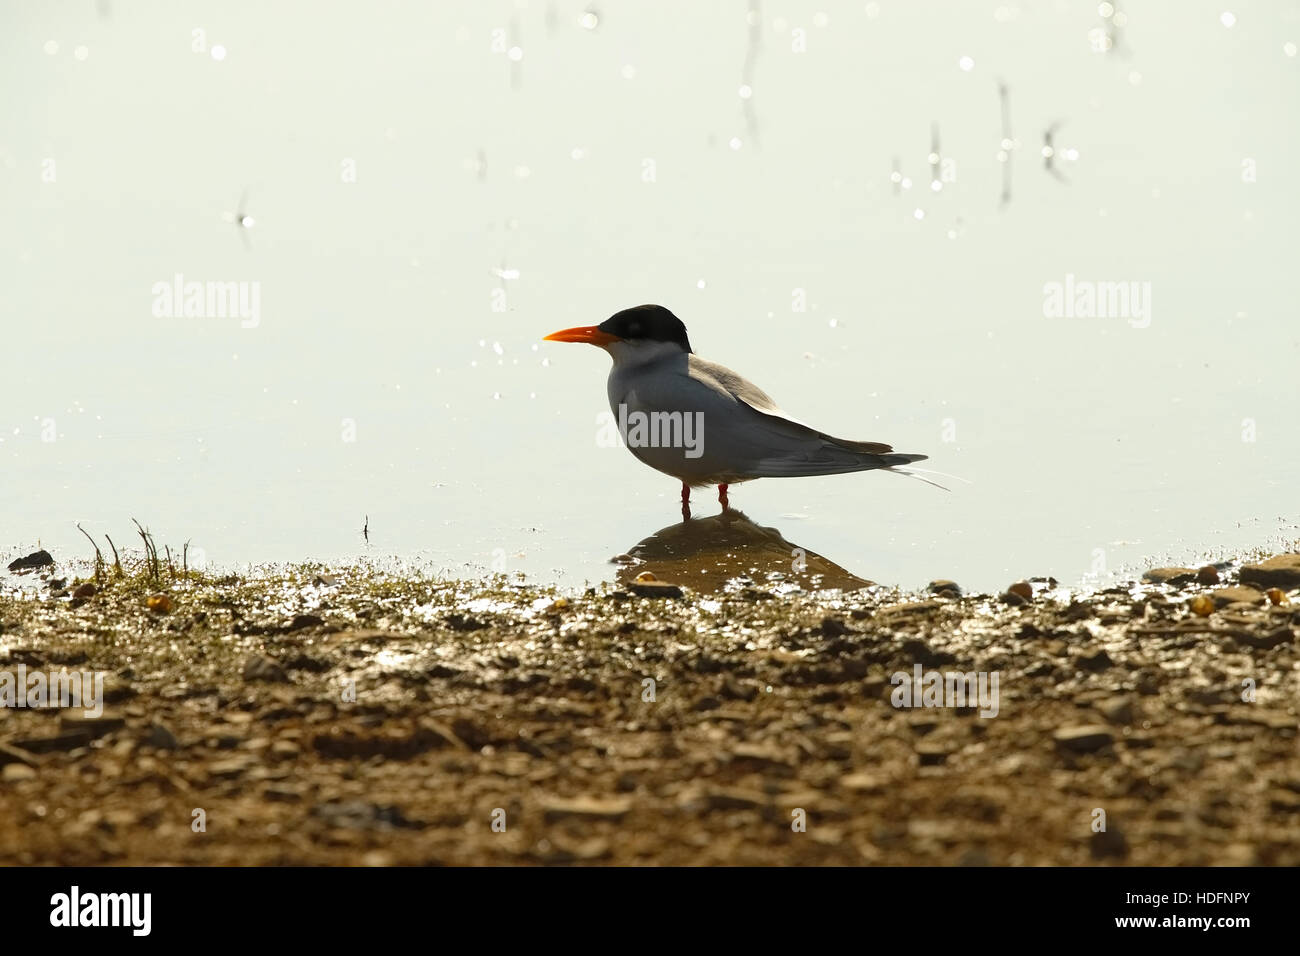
(426, 207)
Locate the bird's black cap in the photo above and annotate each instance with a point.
(647, 323)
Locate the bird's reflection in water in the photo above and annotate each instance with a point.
(728, 551)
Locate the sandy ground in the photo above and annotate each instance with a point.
(350, 715)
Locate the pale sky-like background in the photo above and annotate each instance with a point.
(924, 326)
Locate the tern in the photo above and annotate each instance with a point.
(702, 423)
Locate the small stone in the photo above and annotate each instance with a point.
(1097, 661)
(655, 589)
(833, 627)
(734, 798)
(1117, 710)
(1022, 588)
(587, 808)
(37, 559)
(159, 603)
(1201, 605)
(15, 772)
(86, 590)
(160, 738)
(301, 621)
(645, 576)
(1207, 575)
(1170, 576)
(325, 581)
(931, 754)
(1238, 595)
(260, 667)
(229, 769)
(1013, 599)
(1084, 739)
(943, 585)
(863, 782)
(1282, 571)
(1276, 596)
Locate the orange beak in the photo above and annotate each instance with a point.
(589, 334)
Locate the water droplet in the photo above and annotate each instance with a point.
(1289, 48)
(629, 71)
(700, 284)
(745, 92)
(1105, 10)
(918, 214)
(1227, 19)
(734, 143)
(966, 63)
(51, 47)
(589, 20)
(218, 53)
(81, 52)
(515, 53)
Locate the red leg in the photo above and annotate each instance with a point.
(686, 502)
(722, 497)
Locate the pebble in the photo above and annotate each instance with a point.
(943, 586)
(931, 754)
(161, 738)
(1237, 595)
(86, 590)
(863, 782)
(1084, 739)
(14, 772)
(1207, 575)
(1096, 661)
(158, 603)
(1117, 710)
(1022, 588)
(587, 808)
(1170, 576)
(37, 559)
(1201, 605)
(1282, 571)
(655, 589)
(261, 667)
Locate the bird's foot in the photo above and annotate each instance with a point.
(686, 502)
(722, 497)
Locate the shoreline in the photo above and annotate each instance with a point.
(348, 715)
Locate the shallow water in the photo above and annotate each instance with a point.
(377, 385)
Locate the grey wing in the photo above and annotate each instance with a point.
(781, 446)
